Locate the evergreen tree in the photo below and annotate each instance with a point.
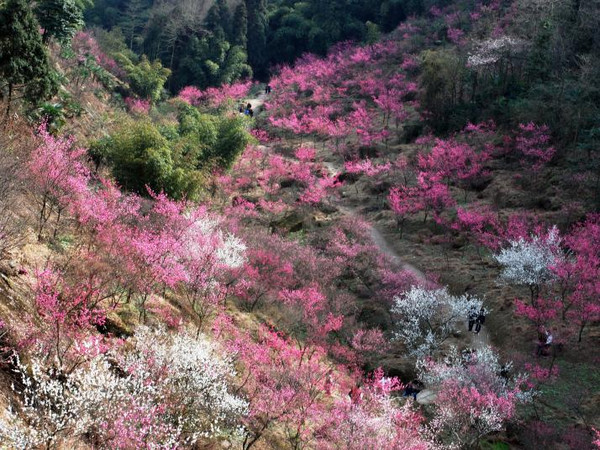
(224, 17)
(24, 63)
(212, 23)
(290, 34)
(240, 26)
(146, 79)
(201, 63)
(84, 4)
(257, 36)
(135, 19)
(236, 65)
(373, 33)
(210, 61)
(59, 18)
(391, 13)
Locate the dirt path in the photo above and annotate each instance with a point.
(257, 102)
(378, 239)
(476, 340)
(480, 340)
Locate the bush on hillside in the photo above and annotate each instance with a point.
(174, 158)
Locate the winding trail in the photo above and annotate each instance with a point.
(476, 340)
(257, 102)
(378, 239)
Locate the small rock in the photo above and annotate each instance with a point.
(426, 397)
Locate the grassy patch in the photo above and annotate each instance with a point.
(494, 445)
(572, 397)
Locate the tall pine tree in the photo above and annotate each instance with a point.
(135, 19)
(218, 20)
(257, 36)
(224, 17)
(24, 63)
(60, 19)
(240, 25)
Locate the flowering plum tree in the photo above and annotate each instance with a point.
(284, 384)
(475, 394)
(374, 420)
(529, 262)
(426, 318)
(298, 388)
(138, 106)
(342, 95)
(532, 142)
(480, 224)
(59, 174)
(69, 315)
(405, 200)
(217, 97)
(190, 95)
(86, 46)
(455, 162)
(165, 392)
(436, 196)
(265, 274)
(578, 275)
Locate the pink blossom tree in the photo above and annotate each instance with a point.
(70, 314)
(190, 95)
(578, 275)
(405, 201)
(475, 394)
(59, 174)
(532, 142)
(456, 163)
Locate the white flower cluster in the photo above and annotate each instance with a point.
(203, 235)
(449, 421)
(529, 262)
(197, 376)
(232, 252)
(175, 386)
(467, 368)
(426, 318)
(491, 50)
(48, 404)
(14, 433)
(484, 377)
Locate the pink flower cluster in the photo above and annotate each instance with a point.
(138, 106)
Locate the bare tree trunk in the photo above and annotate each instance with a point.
(10, 93)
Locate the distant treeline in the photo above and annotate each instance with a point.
(207, 42)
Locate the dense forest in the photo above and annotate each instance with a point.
(542, 70)
(212, 44)
(276, 224)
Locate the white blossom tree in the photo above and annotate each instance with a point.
(491, 51)
(426, 318)
(529, 262)
(475, 394)
(164, 392)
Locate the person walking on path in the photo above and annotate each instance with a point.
(544, 343)
(472, 317)
(479, 320)
(411, 389)
(248, 111)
